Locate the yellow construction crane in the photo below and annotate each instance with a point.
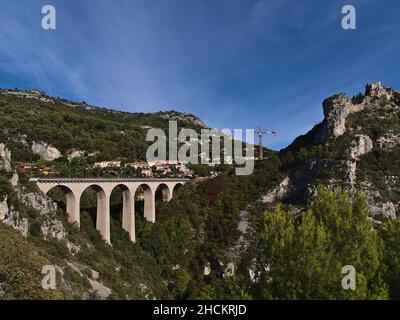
(260, 145)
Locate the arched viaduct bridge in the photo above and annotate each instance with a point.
(73, 188)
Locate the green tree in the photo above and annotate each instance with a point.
(303, 258)
(390, 233)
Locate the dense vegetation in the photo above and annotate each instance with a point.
(305, 256)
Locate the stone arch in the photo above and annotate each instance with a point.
(164, 192)
(149, 201)
(128, 209)
(72, 200)
(176, 187)
(103, 210)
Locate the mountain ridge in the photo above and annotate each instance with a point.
(43, 96)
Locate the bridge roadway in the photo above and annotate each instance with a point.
(73, 188)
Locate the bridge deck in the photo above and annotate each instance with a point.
(105, 180)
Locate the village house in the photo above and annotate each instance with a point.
(27, 166)
(161, 167)
(106, 164)
(48, 171)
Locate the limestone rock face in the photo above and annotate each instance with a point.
(47, 152)
(100, 289)
(5, 158)
(73, 248)
(362, 145)
(14, 180)
(39, 202)
(336, 110)
(338, 107)
(75, 154)
(12, 218)
(385, 210)
(378, 90)
(278, 193)
(53, 228)
(351, 175)
(3, 208)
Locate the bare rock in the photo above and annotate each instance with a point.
(38, 201)
(378, 90)
(362, 145)
(95, 275)
(12, 218)
(229, 271)
(14, 180)
(207, 269)
(100, 289)
(5, 158)
(277, 193)
(72, 154)
(336, 110)
(384, 210)
(4, 208)
(73, 248)
(46, 151)
(53, 228)
(351, 175)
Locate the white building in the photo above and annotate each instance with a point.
(106, 164)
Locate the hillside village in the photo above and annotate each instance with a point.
(142, 169)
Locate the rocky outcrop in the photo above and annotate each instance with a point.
(277, 193)
(73, 248)
(351, 175)
(5, 158)
(3, 208)
(336, 110)
(97, 287)
(100, 289)
(360, 146)
(338, 107)
(54, 228)
(14, 180)
(383, 210)
(378, 90)
(207, 269)
(388, 141)
(38, 202)
(46, 151)
(72, 154)
(11, 217)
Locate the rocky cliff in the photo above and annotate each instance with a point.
(351, 148)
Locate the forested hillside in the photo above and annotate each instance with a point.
(103, 134)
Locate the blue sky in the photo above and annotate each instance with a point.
(234, 63)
